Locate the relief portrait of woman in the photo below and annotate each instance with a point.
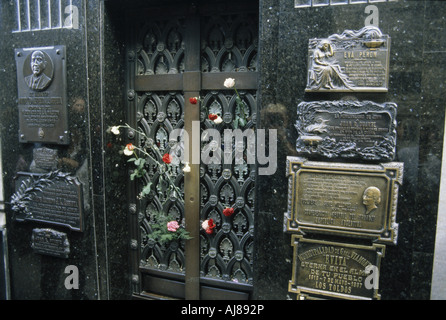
(325, 72)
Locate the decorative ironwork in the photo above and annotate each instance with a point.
(227, 254)
(161, 48)
(159, 114)
(228, 44)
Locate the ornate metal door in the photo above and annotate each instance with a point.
(175, 54)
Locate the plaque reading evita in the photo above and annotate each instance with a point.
(347, 129)
(351, 61)
(55, 198)
(354, 200)
(334, 269)
(41, 83)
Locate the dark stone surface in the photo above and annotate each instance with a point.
(94, 83)
(96, 80)
(417, 85)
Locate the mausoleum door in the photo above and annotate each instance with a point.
(175, 54)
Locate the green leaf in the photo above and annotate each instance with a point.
(140, 162)
(146, 189)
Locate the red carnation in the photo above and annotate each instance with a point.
(212, 116)
(228, 212)
(167, 158)
(208, 226)
(193, 100)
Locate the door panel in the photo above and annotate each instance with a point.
(172, 57)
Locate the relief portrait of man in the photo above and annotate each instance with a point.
(371, 199)
(38, 80)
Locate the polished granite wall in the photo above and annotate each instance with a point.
(94, 89)
(417, 85)
(96, 80)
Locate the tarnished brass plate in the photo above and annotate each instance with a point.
(347, 129)
(349, 62)
(41, 83)
(355, 200)
(334, 269)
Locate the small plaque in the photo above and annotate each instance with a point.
(347, 129)
(349, 62)
(41, 83)
(354, 200)
(336, 270)
(50, 242)
(54, 198)
(45, 158)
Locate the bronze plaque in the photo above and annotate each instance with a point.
(334, 269)
(50, 242)
(347, 129)
(349, 62)
(54, 198)
(354, 200)
(41, 83)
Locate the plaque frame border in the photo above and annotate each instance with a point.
(388, 235)
(305, 292)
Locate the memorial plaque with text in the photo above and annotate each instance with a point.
(347, 129)
(42, 106)
(354, 200)
(45, 158)
(50, 242)
(349, 62)
(54, 198)
(336, 270)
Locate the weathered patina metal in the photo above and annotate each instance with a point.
(55, 198)
(347, 129)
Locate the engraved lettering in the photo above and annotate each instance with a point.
(334, 268)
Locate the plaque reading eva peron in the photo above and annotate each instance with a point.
(353, 61)
(345, 199)
(347, 129)
(55, 198)
(41, 83)
(327, 269)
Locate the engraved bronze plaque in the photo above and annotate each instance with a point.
(50, 242)
(54, 198)
(347, 129)
(334, 269)
(349, 62)
(41, 83)
(354, 200)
